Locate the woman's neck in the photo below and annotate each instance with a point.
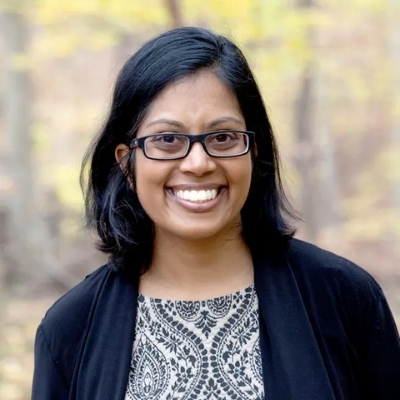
(197, 270)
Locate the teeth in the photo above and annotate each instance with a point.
(198, 196)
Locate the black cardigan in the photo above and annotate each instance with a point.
(326, 332)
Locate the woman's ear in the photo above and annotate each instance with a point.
(122, 157)
(120, 154)
(255, 150)
(254, 153)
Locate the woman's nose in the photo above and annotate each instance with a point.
(197, 162)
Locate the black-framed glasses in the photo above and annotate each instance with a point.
(173, 146)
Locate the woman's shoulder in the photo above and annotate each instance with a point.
(82, 294)
(70, 312)
(323, 274)
(315, 262)
(346, 304)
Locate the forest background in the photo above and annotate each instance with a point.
(329, 72)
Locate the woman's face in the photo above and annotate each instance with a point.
(193, 105)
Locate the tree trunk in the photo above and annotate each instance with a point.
(175, 12)
(306, 159)
(306, 154)
(316, 162)
(394, 55)
(330, 219)
(18, 100)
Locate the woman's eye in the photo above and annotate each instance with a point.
(164, 138)
(168, 138)
(224, 137)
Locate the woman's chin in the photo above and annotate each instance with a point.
(195, 231)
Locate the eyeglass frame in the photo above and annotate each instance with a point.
(139, 142)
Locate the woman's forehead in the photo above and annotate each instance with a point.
(201, 98)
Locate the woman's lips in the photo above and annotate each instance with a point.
(196, 196)
(199, 205)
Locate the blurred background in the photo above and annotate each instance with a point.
(329, 72)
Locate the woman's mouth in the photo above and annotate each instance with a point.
(196, 196)
(197, 200)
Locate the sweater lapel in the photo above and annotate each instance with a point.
(104, 367)
(292, 364)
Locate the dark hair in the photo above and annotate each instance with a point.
(125, 230)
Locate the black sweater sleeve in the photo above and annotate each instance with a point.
(48, 384)
(379, 347)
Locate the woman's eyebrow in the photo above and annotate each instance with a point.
(219, 121)
(166, 121)
(211, 125)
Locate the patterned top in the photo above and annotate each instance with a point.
(197, 349)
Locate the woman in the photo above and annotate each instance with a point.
(207, 294)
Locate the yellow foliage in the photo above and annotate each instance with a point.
(40, 137)
(114, 12)
(360, 7)
(375, 225)
(251, 20)
(19, 62)
(66, 183)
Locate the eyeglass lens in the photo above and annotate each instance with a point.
(220, 144)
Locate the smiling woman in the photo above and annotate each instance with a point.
(173, 193)
(207, 294)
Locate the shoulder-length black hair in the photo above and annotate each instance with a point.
(125, 230)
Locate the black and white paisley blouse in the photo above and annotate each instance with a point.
(197, 349)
